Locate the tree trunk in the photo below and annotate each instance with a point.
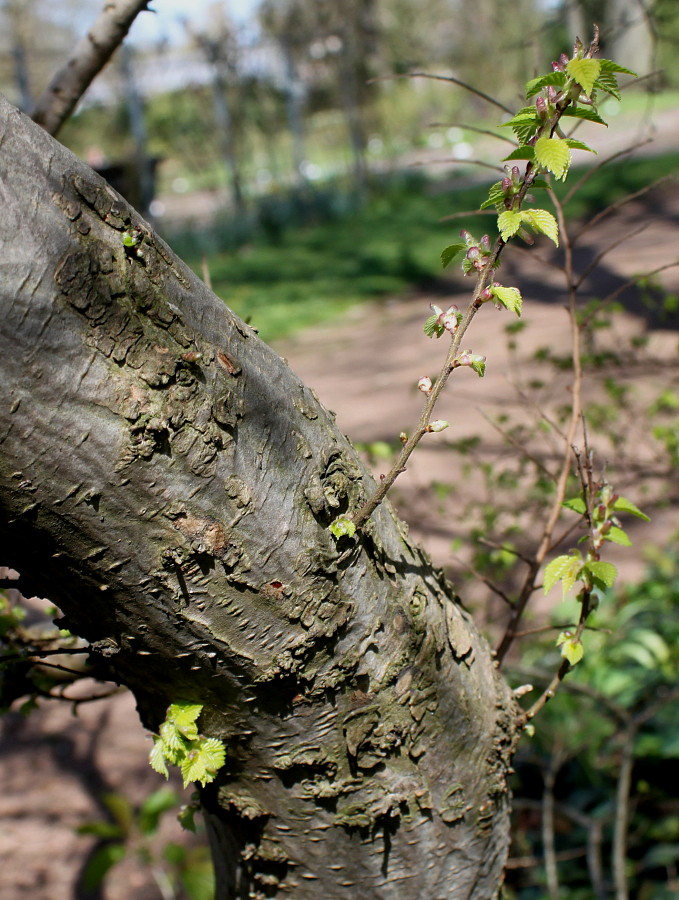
(168, 481)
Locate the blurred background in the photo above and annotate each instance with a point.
(310, 159)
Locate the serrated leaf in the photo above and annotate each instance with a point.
(523, 152)
(577, 504)
(432, 327)
(509, 297)
(553, 154)
(203, 761)
(451, 252)
(618, 536)
(583, 112)
(565, 569)
(543, 222)
(213, 753)
(622, 504)
(496, 195)
(535, 85)
(607, 65)
(578, 145)
(479, 366)
(341, 527)
(525, 114)
(184, 716)
(508, 223)
(157, 758)
(572, 650)
(172, 739)
(524, 124)
(609, 83)
(585, 72)
(603, 572)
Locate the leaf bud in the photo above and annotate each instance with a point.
(507, 184)
(485, 243)
(424, 384)
(486, 294)
(551, 93)
(578, 47)
(541, 107)
(557, 67)
(438, 425)
(564, 60)
(516, 173)
(467, 236)
(473, 252)
(403, 437)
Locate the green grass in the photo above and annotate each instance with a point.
(313, 274)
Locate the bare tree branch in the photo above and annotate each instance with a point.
(88, 58)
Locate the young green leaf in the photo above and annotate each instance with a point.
(577, 504)
(607, 65)
(184, 716)
(525, 151)
(554, 155)
(585, 72)
(578, 145)
(509, 297)
(535, 85)
(157, 758)
(172, 739)
(508, 223)
(542, 221)
(341, 527)
(618, 536)
(186, 817)
(622, 504)
(479, 366)
(203, 761)
(603, 572)
(565, 569)
(451, 253)
(583, 112)
(433, 328)
(571, 649)
(496, 196)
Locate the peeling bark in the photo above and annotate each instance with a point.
(168, 481)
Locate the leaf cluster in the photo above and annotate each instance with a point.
(178, 742)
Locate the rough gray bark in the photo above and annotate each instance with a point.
(168, 481)
(88, 58)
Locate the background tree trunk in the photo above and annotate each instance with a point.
(168, 481)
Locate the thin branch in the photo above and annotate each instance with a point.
(479, 577)
(471, 212)
(609, 298)
(88, 58)
(451, 79)
(618, 203)
(597, 259)
(523, 450)
(454, 160)
(467, 127)
(604, 162)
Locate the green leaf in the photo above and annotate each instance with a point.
(607, 65)
(153, 807)
(554, 155)
(451, 252)
(535, 85)
(577, 504)
(571, 649)
(618, 536)
(186, 817)
(203, 761)
(157, 758)
(539, 183)
(622, 504)
(524, 124)
(130, 240)
(578, 145)
(509, 222)
(496, 196)
(184, 716)
(525, 151)
(509, 297)
(99, 863)
(341, 527)
(565, 569)
(585, 72)
(583, 112)
(172, 740)
(603, 572)
(543, 222)
(432, 327)
(479, 366)
(609, 83)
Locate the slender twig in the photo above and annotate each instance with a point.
(604, 162)
(451, 79)
(482, 578)
(618, 203)
(471, 212)
(488, 131)
(610, 247)
(505, 547)
(609, 298)
(522, 448)
(622, 797)
(452, 160)
(88, 58)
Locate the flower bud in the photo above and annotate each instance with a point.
(438, 425)
(516, 173)
(564, 60)
(403, 437)
(557, 67)
(473, 252)
(449, 322)
(507, 184)
(551, 93)
(424, 384)
(485, 243)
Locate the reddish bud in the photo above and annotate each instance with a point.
(473, 252)
(507, 184)
(564, 60)
(557, 67)
(486, 294)
(467, 236)
(485, 243)
(551, 93)
(541, 107)
(516, 173)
